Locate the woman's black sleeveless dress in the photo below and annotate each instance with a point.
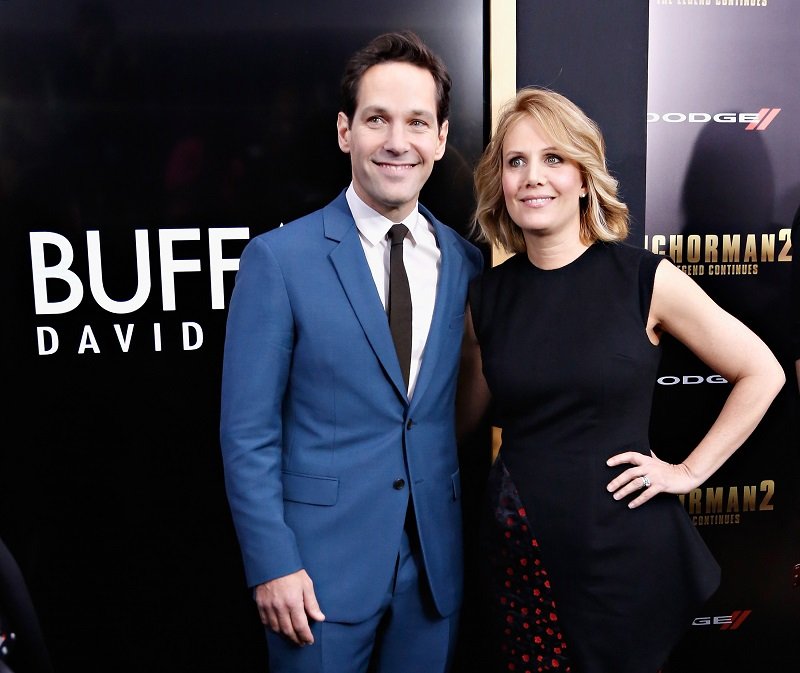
(579, 582)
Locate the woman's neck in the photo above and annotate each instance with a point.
(553, 252)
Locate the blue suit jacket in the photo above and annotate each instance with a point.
(316, 426)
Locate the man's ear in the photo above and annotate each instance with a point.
(441, 141)
(343, 132)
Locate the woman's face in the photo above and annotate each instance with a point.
(542, 188)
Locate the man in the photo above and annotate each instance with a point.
(338, 441)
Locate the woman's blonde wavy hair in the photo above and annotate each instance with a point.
(603, 216)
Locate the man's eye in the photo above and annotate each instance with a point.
(375, 120)
(418, 123)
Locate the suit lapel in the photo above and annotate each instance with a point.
(450, 271)
(353, 271)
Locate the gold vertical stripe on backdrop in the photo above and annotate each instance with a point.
(502, 87)
(502, 69)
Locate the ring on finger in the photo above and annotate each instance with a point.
(645, 481)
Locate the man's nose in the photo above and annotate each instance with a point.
(397, 139)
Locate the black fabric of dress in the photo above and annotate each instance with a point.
(572, 373)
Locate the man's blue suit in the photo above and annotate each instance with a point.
(317, 430)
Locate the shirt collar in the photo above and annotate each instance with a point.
(371, 224)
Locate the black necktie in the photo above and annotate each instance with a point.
(400, 300)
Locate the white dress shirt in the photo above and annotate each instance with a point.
(421, 257)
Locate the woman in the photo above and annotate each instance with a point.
(595, 565)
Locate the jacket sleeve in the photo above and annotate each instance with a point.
(257, 360)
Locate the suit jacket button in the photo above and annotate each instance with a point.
(398, 484)
(409, 424)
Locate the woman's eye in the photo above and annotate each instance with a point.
(552, 159)
(516, 162)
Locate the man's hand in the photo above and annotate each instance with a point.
(285, 605)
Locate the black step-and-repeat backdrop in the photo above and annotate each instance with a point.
(723, 185)
(141, 145)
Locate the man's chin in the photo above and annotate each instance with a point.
(394, 199)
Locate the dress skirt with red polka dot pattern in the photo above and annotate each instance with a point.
(530, 639)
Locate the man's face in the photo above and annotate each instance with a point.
(393, 139)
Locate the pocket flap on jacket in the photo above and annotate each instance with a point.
(310, 489)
